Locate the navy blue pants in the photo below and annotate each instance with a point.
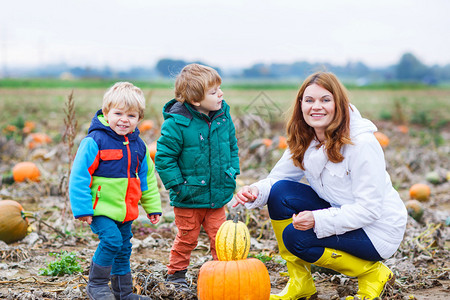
(288, 197)
(114, 248)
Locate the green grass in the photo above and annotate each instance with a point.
(65, 263)
(43, 101)
(79, 83)
(245, 84)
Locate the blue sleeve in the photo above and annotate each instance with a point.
(84, 165)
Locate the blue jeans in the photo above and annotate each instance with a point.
(114, 248)
(288, 197)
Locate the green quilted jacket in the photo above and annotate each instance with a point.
(197, 156)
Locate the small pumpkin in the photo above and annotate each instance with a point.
(232, 240)
(415, 209)
(420, 191)
(146, 125)
(434, 177)
(282, 142)
(403, 129)
(255, 144)
(237, 280)
(37, 139)
(382, 139)
(13, 221)
(152, 150)
(267, 142)
(10, 129)
(28, 127)
(26, 170)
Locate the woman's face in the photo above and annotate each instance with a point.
(318, 108)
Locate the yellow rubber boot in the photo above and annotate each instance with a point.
(372, 275)
(301, 283)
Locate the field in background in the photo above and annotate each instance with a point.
(428, 107)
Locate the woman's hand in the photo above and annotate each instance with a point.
(87, 219)
(246, 194)
(303, 220)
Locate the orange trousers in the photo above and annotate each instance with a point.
(189, 222)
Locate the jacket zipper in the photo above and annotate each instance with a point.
(137, 167)
(127, 144)
(209, 141)
(97, 195)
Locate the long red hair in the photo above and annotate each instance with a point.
(337, 134)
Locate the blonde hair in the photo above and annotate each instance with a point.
(337, 134)
(193, 82)
(124, 95)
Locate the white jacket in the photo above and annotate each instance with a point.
(358, 189)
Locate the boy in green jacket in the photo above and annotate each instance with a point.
(197, 160)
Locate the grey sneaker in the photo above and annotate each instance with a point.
(178, 279)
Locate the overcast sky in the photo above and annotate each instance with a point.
(229, 33)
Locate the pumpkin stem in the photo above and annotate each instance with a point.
(236, 217)
(27, 214)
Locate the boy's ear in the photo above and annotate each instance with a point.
(195, 103)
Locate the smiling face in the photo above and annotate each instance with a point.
(318, 108)
(122, 121)
(212, 101)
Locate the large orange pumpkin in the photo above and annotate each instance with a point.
(26, 170)
(13, 221)
(420, 192)
(233, 280)
(382, 139)
(232, 240)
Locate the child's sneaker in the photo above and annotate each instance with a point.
(178, 279)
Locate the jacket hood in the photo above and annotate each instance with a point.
(99, 123)
(358, 124)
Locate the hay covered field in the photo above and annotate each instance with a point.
(416, 121)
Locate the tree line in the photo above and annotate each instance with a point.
(408, 69)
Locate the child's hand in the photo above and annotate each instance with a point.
(87, 219)
(246, 194)
(153, 218)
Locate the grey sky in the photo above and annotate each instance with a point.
(231, 33)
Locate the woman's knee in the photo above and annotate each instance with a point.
(276, 203)
(277, 190)
(298, 242)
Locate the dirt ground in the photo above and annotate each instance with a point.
(421, 264)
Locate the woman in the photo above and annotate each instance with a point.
(349, 217)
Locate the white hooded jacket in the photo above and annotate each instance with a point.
(358, 189)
